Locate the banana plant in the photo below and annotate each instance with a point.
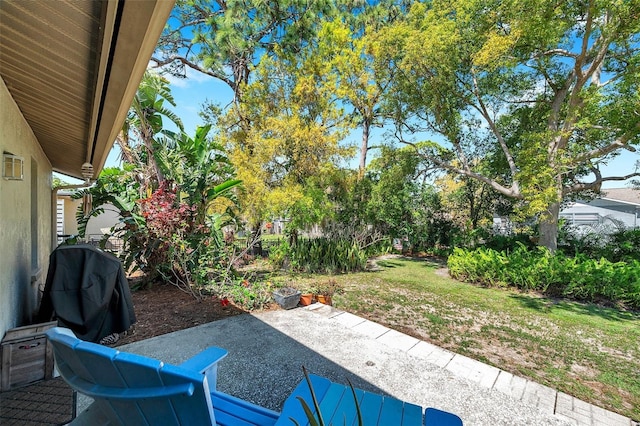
(200, 168)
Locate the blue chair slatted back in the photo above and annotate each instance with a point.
(337, 406)
(132, 389)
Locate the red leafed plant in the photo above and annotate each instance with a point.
(166, 215)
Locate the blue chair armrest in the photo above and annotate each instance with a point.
(206, 362)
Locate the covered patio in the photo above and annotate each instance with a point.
(69, 70)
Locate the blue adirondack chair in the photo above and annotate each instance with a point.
(130, 389)
(338, 407)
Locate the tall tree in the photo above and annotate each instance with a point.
(346, 45)
(144, 124)
(552, 88)
(227, 39)
(295, 134)
(471, 203)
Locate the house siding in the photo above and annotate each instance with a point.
(622, 213)
(93, 232)
(23, 256)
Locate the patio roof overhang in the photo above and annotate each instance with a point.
(73, 67)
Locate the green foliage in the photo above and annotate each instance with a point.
(278, 254)
(509, 242)
(397, 202)
(58, 182)
(321, 255)
(174, 232)
(117, 188)
(291, 148)
(250, 294)
(200, 168)
(623, 246)
(227, 39)
(281, 127)
(140, 136)
(620, 246)
(556, 274)
(545, 90)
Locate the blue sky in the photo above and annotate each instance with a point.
(190, 93)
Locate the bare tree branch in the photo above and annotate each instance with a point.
(559, 52)
(597, 182)
(620, 143)
(503, 145)
(162, 62)
(513, 191)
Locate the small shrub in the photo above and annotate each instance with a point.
(326, 255)
(508, 242)
(250, 295)
(623, 246)
(278, 254)
(556, 274)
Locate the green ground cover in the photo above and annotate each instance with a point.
(585, 350)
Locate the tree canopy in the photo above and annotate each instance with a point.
(542, 94)
(549, 90)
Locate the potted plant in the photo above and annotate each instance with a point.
(287, 297)
(307, 297)
(325, 292)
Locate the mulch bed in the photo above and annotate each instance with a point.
(163, 308)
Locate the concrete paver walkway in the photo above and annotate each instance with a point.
(267, 350)
(546, 399)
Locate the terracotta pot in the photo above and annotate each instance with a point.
(306, 299)
(324, 299)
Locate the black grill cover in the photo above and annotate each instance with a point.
(87, 291)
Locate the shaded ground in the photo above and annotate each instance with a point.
(164, 308)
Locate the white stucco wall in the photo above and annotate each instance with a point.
(109, 218)
(19, 297)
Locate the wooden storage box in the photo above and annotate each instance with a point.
(26, 356)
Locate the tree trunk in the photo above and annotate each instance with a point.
(293, 238)
(159, 176)
(548, 228)
(364, 147)
(256, 239)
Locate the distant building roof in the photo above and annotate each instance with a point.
(626, 195)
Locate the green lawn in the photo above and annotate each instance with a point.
(587, 351)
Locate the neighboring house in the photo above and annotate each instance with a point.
(68, 72)
(613, 208)
(66, 218)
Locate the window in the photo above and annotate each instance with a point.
(12, 167)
